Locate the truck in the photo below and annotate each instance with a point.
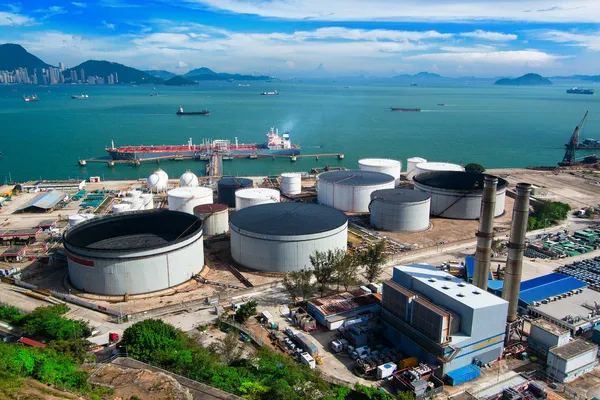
(360, 352)
(101, 341)
(339, 345)
(307, 359)
(306, 344)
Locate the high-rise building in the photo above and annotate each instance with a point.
(116, 78)
(61, 66)
(82, 75)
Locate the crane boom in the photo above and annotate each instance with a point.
(569, 157)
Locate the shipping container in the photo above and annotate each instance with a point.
(410, 362)
(463, 374)
(306, 344)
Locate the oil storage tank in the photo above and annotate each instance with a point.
(188, 179)
(214, 217)
(255, 196)
(387, 166)
(291, 183)
(436, 166)
(411, 165)
(185, 199)
(227, 188)
(351, 190)
(134, 253)
(400, 210)
(458, 195)
(158, 181)
(280, 237)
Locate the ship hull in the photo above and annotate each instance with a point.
(236, 153)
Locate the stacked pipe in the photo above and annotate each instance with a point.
(485, 234)
(516, 248)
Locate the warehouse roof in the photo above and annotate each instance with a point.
(573, 349)
(47, 223)
(543, 287)
(45, 201)
(549, 326)
(22, 233)
(344, 302)
(288, 219)
(14, 251)
(355, 178)
(400, 196)
(456, 180)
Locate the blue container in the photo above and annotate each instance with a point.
(596, 334)
(462, 375)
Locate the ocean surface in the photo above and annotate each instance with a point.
(490, 125)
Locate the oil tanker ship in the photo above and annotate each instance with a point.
(274, 145)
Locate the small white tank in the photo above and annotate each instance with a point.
(121, 207)
(291, 183)
(411, 165)
(383, 165)
(188, 179)
(147, 201)
(137, 204)
(185, 199)
(215, 218)
(158, 181)
(255, 196)
(75, 219)
(436, 166)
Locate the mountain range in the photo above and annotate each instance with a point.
(104, 68)
(160, 73)
(13, 56)
(525, 80)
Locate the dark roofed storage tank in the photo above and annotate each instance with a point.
(228, 186)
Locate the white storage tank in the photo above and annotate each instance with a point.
(400, 210)
(291, 183)
(185, 199)
(255, 196)
(147, 201)
(158, 181)
(351, 190)
(458, 195)
(384, 165)
(215, 218)
(411, 165)
(188, 179)
(75, 219)
(436, 166)
(119, 208)
(134, 193)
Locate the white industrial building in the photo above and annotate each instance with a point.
(544, 335)
(570, 361)
(441, 319)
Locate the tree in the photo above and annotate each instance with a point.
(473, 167)
(297, 284)
(547, 213)
(228, 349)
(246, 311)
(346, 270)
(324, 266)
(497, 246)
(374, 260)
(145, 339)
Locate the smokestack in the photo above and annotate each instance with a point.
(485, 233)
(516, 248)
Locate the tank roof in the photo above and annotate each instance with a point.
(134, 231)
(378, 162)
(233, 181)
(188, 192)
(456, 180)
(288, 219)
(400, 196)
(257, 193)
(207, 208)
(356, 178)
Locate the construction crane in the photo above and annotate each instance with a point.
(569, 158)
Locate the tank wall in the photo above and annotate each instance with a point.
(455, 205)
(226, 194)
(411, 166)
(407, 217)
(348, 198)
(134, 276)
(275, 255)
(187, 205)
(435, 168)
(242, 202)
(215, 223)
(291, 184)
(393, 170)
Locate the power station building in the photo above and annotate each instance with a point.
(441, 319)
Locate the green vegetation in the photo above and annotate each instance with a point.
(525, 80)
(374, 260)
(473, 167)
(547, 213)
(325, 265)
(105, 68)
(179, 81)
(297, 284)
(246, 311)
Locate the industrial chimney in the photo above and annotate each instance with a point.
(485, 233)
(516, 248)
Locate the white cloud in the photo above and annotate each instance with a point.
(12, 19)
(117, 4)
(51, 11)
(181, 64)
(78, 4)
(531, 58)
(492, 36)
(591, 41)
(415, 10)
(290, 64)
(108, 25)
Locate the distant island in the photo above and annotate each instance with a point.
(525, 80)
(206, 74)
(179, 81)
(124, 73)
(160, 73)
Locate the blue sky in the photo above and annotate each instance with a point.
(292, 37)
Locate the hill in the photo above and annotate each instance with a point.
(525, 80)
(13, 56)
(179, 81)
(126, 74)
(206, 74)
(420, 75)
(160, 73)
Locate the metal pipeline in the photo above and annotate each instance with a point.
(485, 233)
(516, 248)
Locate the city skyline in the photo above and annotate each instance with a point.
(293, 38)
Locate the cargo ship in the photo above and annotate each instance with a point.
(79, 96)
(203, 112)
(275, 145)
(578, 90)
(31, 99)
(406, 109)
(273, 93)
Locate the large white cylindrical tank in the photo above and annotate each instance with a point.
(255, 196)
(215, 218)
(188, 179)
(384, 165)
(158, 181)
(76, 219)
(400, 210)
(147, 201)
(119, 208)
(436, 166)
(185, 199)
(411, 165)
(458, 195)
(291, 183)
(351, 190)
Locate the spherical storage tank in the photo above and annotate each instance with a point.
(134, 252)
(185, 199)
(291, 183)
(188, 179)
(255, 196)
(158, 181)
(384, 165)
(436, 166)
(351, 190)
(411, 166)
(227, 188)
(214, 217)
(457, 195)
(400, 210)
(280, 237)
